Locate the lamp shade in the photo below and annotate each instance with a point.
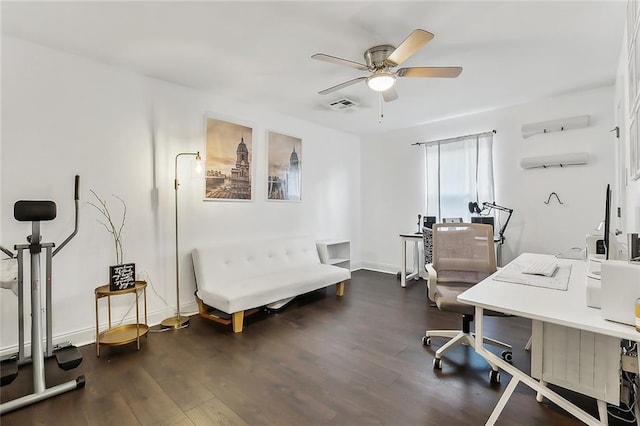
(198, 166)
(381, 81)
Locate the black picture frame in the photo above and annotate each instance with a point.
(122, 277)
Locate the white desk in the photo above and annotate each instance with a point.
(544, 306)
(418, 264)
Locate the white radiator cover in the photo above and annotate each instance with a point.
(578, 360)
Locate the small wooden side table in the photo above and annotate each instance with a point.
(124, 333)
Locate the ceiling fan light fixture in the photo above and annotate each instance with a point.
(381, 81)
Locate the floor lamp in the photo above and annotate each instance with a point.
(178, 321)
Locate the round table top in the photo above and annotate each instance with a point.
(104, 290)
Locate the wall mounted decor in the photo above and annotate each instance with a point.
(556, 160)
(559, 125)
(228, 161)
(284, 167)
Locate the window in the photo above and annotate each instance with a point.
(458, 171)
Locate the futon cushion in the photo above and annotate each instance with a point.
(261, 290)
(244, 275)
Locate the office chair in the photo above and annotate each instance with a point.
(463, 255)
(427, 243)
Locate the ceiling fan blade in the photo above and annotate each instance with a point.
(342, 85)
(390, 94)
(408, 47)
(450, 72)
(340, 61)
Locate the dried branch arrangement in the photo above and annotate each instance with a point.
(110, 226)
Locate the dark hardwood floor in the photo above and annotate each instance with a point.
(322, 360)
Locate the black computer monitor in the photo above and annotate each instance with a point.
(607, 220)
(428, 221)
(483, 219)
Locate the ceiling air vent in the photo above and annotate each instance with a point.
(343, 103)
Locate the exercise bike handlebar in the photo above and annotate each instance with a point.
(77, 187)
(75, 229)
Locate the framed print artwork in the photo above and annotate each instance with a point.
(228, 162)
(284, 167)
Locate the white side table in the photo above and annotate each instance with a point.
(418, 263)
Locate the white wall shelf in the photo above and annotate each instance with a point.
(559, 125)
(335, 252)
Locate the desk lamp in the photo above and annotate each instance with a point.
(178, 321)
(487, 205)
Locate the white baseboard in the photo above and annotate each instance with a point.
(87, 336)
(356, 266)
(380, 267)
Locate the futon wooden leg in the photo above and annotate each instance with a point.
(238, 318)
(340, 289)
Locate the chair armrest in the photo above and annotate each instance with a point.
(432, 280)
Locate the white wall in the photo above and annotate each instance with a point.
(393, 177)
(628, 190)
(64, 115)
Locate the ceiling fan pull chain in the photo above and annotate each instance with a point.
(380, 107)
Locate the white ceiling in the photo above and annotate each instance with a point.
(259, 52)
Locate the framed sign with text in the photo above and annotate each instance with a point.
(122, 277)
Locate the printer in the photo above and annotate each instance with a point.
(594, 278)
(620, 287)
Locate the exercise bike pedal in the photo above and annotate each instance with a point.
(68, 357)
(8, 370)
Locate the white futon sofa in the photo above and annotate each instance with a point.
(238, 278)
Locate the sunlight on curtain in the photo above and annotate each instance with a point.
(457, 173)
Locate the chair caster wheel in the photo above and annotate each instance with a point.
(507, 356)
(494, 377)
(437, 364)
(426, 341)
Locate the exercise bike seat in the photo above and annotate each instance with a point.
(68, 357)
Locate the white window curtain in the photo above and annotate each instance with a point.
(458, 171)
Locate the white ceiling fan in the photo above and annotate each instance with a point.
(380, 61)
